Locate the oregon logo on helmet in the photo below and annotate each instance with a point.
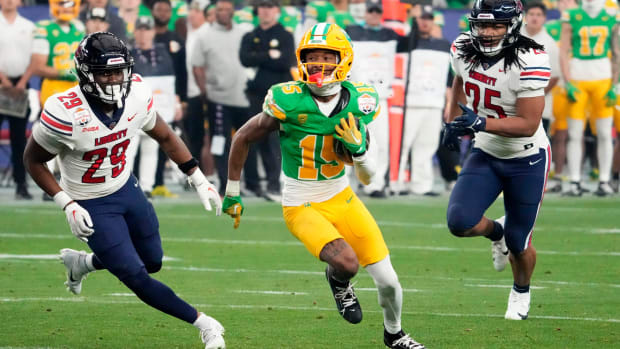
(65, 10)
(331, 37)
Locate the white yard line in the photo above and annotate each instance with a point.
(298, 308)
(386, 223)
(283, 293)
(55, 256)
(297, 243)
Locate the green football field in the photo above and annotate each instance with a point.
(269, 292)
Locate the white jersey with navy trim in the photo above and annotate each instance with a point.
(92, 156)
(492, 92)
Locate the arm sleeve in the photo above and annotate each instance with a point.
(364, 168)
(535, 75)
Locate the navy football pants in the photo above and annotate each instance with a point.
(126, 241)
(484, 177)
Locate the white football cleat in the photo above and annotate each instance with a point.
(518, 305)
(75, 263)
(499, 249)
(213, 335)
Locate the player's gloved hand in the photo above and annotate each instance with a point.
(352, 137)
(449, 139)
(79, 219)
(67, 75)
(233, 206)
(468, 123)
(611, 98)
(206, 191)
(571, 92)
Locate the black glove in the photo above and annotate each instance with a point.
(449, 138)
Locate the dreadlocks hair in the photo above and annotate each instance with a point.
(511, 53)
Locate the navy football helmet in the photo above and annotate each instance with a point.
(99, 53)
(507, 12)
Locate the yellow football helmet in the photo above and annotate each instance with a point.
(59, 9)
(325, 36)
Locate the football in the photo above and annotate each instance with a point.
(343, 153)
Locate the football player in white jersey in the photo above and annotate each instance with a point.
(501, 76)
(90, 128)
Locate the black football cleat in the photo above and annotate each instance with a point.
(346, 301)
(400, 340)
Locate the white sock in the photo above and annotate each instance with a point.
(390, 293)
(89, 262)
(604, 148)
(574, 149)
(202, 322)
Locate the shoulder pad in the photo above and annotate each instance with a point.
(286, 95)
(56, 117)
(78, 25)
(364, 100)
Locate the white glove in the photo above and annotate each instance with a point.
(206, 191)
(79, 221)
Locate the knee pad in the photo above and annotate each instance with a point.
(459, 221)
(136, 281)
(152, 268)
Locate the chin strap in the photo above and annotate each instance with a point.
(325, 90)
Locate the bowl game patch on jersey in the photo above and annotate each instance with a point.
(366, 103)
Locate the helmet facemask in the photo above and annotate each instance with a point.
(491, 45)
(112, 93)
(328, 37)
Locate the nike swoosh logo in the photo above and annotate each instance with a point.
(349, 199)
(535, 162)
(522, 316)
(131, 117)
(357, 141)
(71, 275)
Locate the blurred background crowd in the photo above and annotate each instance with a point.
(210, 64)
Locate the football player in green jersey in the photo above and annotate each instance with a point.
(315, 116)
(589, 36)
(55, 41)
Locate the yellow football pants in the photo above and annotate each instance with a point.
(591, 97)
(344, 216)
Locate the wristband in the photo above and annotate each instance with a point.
(188, 165)
(360, 158)
(232, 188)
(62, 199)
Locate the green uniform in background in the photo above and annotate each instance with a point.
(590, 35)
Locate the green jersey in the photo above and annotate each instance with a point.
(554, 28)
(319, 10)
(342, 18)
(62, 44)
(591, 36)
(290, 18)
(306, 134)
